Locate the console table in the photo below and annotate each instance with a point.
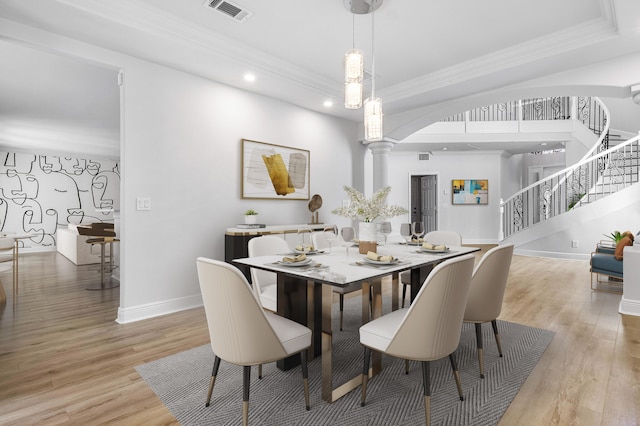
(236, 239)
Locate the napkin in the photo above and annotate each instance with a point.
(429, 246)
(308, 248)
(375, 256)
(298, 258)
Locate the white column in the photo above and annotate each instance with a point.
(380, 151)
(630, 303)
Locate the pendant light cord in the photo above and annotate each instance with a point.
(373, 56)
(353, 31)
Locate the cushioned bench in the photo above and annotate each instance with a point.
(606, 264)
(603, 262)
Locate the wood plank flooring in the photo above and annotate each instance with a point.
(64, 360)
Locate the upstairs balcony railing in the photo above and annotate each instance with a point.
(552, 108)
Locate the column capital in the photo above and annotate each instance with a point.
(379, 147)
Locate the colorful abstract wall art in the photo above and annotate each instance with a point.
(470, 191)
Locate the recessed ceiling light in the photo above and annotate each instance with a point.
(328, 103)
(445, 148)
(250, 77)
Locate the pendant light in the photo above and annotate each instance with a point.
(373, 106)
(353, 74)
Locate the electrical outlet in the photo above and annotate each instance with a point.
(574, 244)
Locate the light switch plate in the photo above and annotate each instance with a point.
(143, 203)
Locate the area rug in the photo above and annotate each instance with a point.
(393, 398)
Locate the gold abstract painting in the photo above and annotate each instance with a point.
(274, 171)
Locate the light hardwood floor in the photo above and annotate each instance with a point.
(64, 360)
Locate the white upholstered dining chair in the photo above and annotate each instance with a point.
(243, 333)
(448, 238)
(487, 293)
(426, 331)
(265, 282)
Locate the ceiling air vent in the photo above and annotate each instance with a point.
(231, 10)
(424, 156)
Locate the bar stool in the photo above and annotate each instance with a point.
(104, 266)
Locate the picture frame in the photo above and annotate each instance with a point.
(470, 191)
(274, 172)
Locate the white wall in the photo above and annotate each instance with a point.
(476, 223)
(181, 148)
(512, 175)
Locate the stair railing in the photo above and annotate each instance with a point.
(594, 115)
(558, 193)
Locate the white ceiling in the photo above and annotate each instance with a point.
(426, 52)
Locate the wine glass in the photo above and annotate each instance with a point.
(303, 238)
(417, 230)
(405, 231)
(348, 234)
(385, 230)
(330, 234)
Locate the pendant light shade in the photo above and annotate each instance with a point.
(353, 66)
(373, 130)
(352, 95)
(353, 74)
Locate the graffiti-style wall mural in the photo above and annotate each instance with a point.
(39, 193)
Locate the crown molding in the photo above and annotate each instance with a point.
(158, 23)
(557, 43)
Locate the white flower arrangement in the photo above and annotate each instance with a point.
(367, 210)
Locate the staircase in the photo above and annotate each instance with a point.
(621, 165)
(603, 171)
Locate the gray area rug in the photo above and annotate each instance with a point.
(393, 398)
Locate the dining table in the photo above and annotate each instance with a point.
(305, 293)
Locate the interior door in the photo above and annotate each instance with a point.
(424, 201)
(429, 204)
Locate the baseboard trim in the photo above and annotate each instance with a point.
(552, 254)
(629, 307)
(472, 241)
(151, 310)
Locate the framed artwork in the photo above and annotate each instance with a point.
(274, 171)
(470, 191)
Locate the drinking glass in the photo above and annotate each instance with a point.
(348, 234)
(385, 230)
(303, 238)
(330, 234)
(417, 230)
(405, 231)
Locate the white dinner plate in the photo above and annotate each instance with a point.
(301, 263)
(308, 252)
(378, 262)
(434, 251)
